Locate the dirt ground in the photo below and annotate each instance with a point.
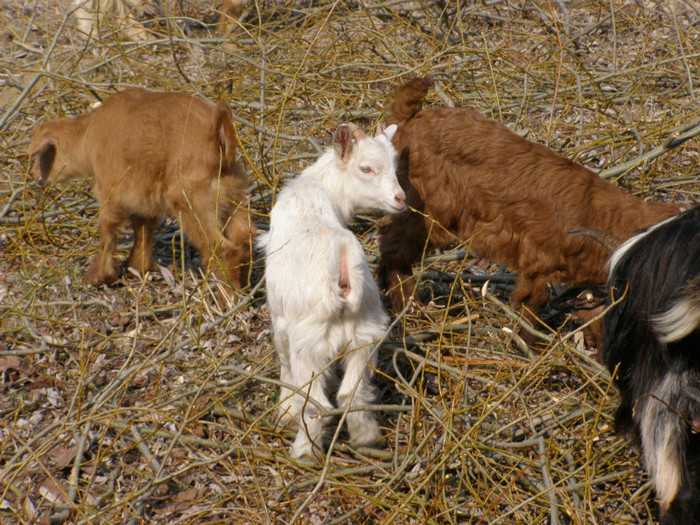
(146, 403)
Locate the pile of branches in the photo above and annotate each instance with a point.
(147, 403)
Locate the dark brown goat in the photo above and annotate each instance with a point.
(154, 154)
(473, 178)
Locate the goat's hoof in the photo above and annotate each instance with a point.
(309, 461)
(307, 457)
(225, 297)
(372, 438)
(306, 452)
(142, 268)
(93, 277)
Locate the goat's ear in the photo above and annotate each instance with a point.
(342, 141)
(380, 131)
(45, 152)
(389, 132)
(39, 141)
(357, 133)
(225, 132)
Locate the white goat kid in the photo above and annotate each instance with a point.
(323, 301)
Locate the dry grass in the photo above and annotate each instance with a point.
(142, 403)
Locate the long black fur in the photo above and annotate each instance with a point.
(659, 382)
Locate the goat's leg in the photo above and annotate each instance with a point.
(219, 255)
(356, 389)
(662, 417)
(141, 258)
(309, 375)
(200, 225)
(530, 293)
(103, 269)
(286, 406)
(529, 297)
(403, 240)
(682, 509)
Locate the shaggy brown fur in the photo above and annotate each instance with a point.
(471, 177)
(154, 154)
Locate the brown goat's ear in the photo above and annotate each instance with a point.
(342, 141)
(45, 153)
(225, 132)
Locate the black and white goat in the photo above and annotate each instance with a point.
(652, 338)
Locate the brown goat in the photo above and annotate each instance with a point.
(471, 177)
(154, 154)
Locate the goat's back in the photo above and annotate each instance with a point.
(146, 148)
(304, 248)
(519, 199)
(156, 132)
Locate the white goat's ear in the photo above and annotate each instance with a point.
(342, 141)
(357, 133)
(389, 132)
(380, 131)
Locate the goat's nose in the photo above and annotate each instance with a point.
(400, 198)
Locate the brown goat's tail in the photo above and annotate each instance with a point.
(225, 132)
(408, 99)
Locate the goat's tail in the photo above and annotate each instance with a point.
(683, 317)
(408, 99)
(665, 417)
(225, 132)
(347, 270)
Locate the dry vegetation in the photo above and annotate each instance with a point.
(143, 403)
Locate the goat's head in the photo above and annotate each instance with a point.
(51, 148)
(368, 165)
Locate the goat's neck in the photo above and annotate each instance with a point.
(327, 175)
(343, 205)
(78, 145)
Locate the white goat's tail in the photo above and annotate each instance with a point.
(347, 270)
(683, 317)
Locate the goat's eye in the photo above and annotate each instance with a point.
(366, 169)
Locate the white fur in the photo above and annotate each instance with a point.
(683, 317)
(661, 438)
(315, 326)
(677, 322)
